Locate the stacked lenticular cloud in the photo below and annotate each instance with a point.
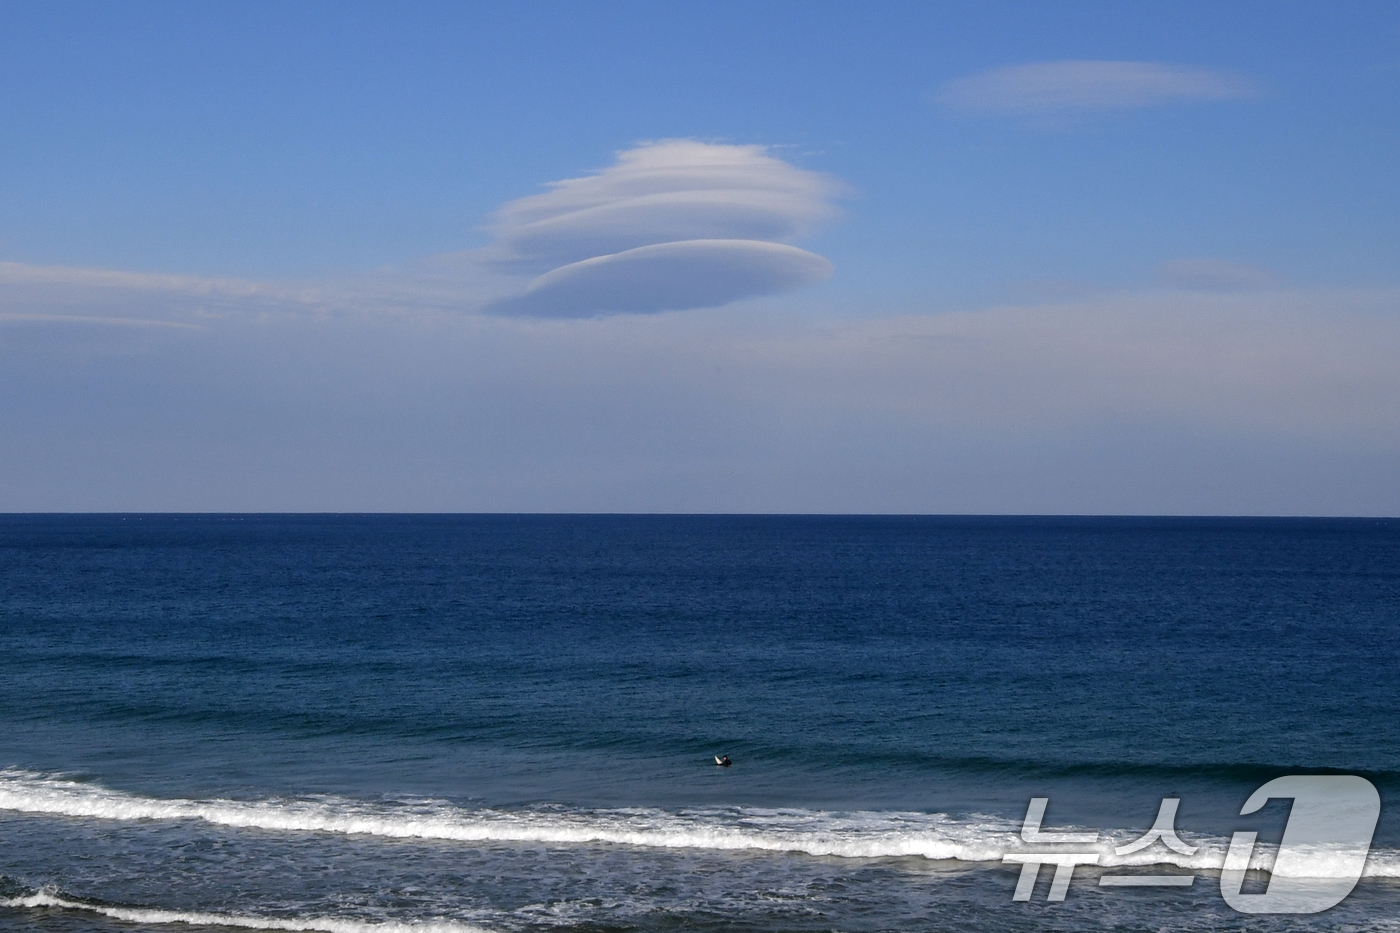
(672, 225)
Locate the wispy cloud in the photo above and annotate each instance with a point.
(1068, 87)
(1214, 275)
(671, 225)
(37, 293)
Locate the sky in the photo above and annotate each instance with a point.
(1002, 258)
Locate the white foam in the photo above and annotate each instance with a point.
(857, 834)
(199, 918)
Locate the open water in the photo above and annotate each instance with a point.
(508, 723)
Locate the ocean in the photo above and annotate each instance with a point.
(508, 723)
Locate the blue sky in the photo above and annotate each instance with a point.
(900, 257)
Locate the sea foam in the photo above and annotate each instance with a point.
(842, 834)
(153, 916)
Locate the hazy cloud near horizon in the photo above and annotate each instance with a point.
(1262, 401)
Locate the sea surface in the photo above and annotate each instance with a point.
(508, 723)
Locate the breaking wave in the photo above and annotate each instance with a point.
(840, 834)
(153, 916)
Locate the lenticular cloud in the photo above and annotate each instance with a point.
(672, 225)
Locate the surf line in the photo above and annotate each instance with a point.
(248, 922)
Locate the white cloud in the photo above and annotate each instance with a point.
(669, 277)
(720, 212)
(1082, 86)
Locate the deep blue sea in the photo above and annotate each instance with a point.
(508, 723)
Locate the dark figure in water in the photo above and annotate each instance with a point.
(723, 761)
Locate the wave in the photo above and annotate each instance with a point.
(840, 834)
(153, 916)
(871, 834)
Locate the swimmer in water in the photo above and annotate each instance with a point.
(723, 762)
